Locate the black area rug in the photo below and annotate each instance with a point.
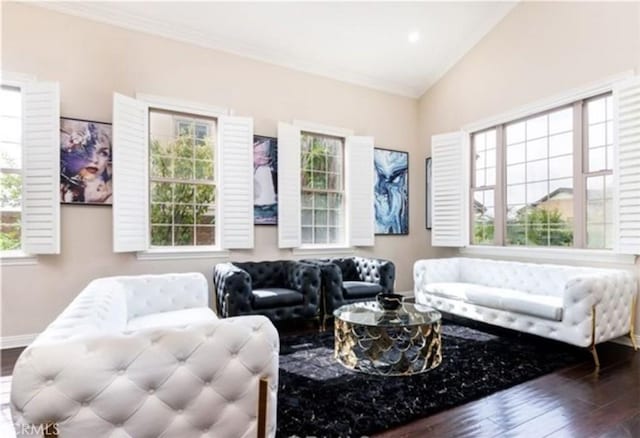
(319, 397)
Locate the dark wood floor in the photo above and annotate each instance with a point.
(576, 402)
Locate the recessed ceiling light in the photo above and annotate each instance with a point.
(414, 37)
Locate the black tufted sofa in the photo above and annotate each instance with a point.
(279, 290)
(352, 279)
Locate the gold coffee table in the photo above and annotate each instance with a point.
(401, 342)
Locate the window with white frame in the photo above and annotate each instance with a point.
(29, 166)
(322, 159)
(182, 179)
(10, 168)
(325, 187)
(545, 180)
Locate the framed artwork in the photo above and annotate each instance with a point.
(428, 189)
(86, 175)
(391, 191)
(265, 180)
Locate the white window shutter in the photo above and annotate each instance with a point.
(235, 177)
(449, 177)
(289, 232)
(359, 190)
(627, 165)
(131, 174)
(41, 168)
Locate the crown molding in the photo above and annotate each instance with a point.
(108, 14)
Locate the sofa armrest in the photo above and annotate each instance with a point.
(584, 290)
(378, 271)
(331, 280)
(304, 278)
(435, 271)
(233, 290)
(611, 292)
(144, 380)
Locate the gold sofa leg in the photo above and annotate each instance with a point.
(594, 353)
(263, 388)
(592, 347)
(632, 334)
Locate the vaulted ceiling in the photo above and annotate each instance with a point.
(366, 43)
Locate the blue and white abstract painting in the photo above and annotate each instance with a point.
(391, 191)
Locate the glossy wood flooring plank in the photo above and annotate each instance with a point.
(576, 402)
(554, 419)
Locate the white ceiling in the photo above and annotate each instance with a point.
(365, 43)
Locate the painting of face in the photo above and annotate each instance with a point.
(85, 162)
(391, 191)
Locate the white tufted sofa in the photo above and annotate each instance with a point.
(553, 301)
(144, 356)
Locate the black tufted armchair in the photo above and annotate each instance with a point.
(351, 279)
(280, 290)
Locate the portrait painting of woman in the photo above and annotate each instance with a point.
(85, 162)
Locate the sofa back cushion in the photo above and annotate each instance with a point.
(101, 307)
(146, 294)
(532, 278)
(265, 274)
(349, 268)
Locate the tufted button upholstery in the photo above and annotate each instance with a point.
(578, 289)
(96, 377)
(336, 271)
(235, 283)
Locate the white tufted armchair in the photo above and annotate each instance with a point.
(144, 356)
(580, 306)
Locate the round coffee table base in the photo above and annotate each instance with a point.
(388, 351)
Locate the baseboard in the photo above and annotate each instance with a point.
(16, 341)
(624, 340)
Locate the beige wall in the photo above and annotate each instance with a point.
(538, 51)
(92, 60)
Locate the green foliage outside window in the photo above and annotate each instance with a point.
(182, 194)
(10, 195)
(483, 231)
(531, 227)
(543, 228)
(320, 162)
(10, 239)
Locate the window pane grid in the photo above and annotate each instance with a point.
(183, 187)
(483, 217)
(599, 133)
(322, 190)
(10, 168)
(599, 165)
(539, 180)
(484, 147)
(483, 185)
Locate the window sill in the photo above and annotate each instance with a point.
(323, 251)
(182, 253)
(17, 258)
(553, 255)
